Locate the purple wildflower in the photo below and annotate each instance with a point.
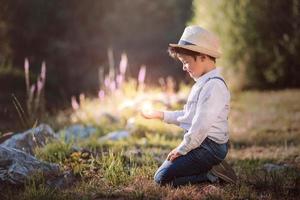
(142, 74)
(74, 103)
(123, 63)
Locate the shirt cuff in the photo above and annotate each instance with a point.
(169, 117)
(182, 149)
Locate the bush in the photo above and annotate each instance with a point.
(260, 39)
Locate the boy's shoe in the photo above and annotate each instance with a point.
(225, 172)
(212, 178)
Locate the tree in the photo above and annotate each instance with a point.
(260, 39)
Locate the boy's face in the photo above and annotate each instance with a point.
(195, 68)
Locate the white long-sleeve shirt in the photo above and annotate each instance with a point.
(205, 114)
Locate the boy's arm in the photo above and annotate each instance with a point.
(170, 117)
(215, 97)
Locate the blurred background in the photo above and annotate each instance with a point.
(79, 41)
(76, 75)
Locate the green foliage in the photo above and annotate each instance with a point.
(56, 151)
(260, 39)
(82, 163)
(116, 169)
(36, 189)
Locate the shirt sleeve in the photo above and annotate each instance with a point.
(211, 102)
(170, 117)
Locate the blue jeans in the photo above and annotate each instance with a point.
(194, 166)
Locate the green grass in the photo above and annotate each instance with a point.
(55, 152)
(264, 128)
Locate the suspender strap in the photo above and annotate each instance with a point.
(217, 77)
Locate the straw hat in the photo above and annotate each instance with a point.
(198, 39)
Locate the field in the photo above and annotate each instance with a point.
(264, 151)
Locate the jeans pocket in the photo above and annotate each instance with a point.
(218, 150)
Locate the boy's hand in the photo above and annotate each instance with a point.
(152, 114)
(173, 155)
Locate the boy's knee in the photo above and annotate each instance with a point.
(161, 178)
(164, 174)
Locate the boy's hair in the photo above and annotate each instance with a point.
(174, 51)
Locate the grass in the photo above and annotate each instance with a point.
(264, 128)
(267, 118)
(55, 152)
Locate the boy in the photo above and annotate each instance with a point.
(200, 155)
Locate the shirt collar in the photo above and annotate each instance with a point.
(204, 77)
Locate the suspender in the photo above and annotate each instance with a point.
(215, 77)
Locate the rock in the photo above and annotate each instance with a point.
(16, 166)
(270, 167)
(116, 135)
(75, 132)
(32, 138)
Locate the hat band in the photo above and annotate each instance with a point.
(183, 42)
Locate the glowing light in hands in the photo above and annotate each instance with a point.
(147, 108)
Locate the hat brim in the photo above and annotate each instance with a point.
(215, 54)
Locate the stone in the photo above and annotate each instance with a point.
(270, 167)
(30, 139)
(16, 166)
(116, 135)
(76, 132)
